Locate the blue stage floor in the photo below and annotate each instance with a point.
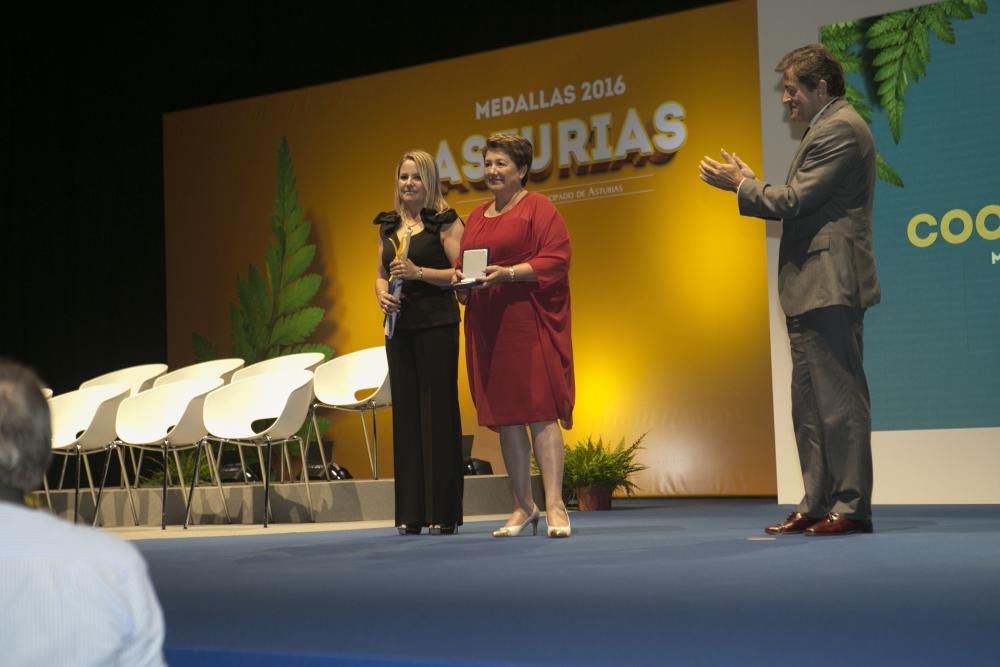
(653, 582)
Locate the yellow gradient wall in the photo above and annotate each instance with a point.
(669, 290)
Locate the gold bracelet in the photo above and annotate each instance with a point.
(420, 273)
(513, 278)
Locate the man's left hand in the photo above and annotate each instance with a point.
(725, 175)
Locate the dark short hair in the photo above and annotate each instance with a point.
(813, 63)
(25, 428)
(517, 147)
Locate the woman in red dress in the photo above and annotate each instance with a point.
(517, 331)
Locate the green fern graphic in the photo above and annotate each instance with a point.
(273, 316)
(892, 51)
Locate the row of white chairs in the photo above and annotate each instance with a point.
(145, 408)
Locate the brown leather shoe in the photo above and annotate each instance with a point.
(794, 524)
(838, 524)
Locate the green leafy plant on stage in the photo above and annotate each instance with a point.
(152, 466)
(590, 463)
(891, 51)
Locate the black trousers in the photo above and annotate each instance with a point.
(831, 411)
(426, 425)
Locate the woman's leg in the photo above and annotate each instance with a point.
(440, 431)
(517, 457)
(408, 464)
(548, 443)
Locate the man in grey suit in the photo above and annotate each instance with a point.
(826, 280)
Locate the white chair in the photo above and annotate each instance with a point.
(217, 368)
(170, 417)
(283, 397)
(337, 384)
(137, 378)
(289, 362)
(83, 421)
(46, 392)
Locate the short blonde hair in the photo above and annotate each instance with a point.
(517, 147)
(428, 171)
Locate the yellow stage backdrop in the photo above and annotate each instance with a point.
(669, 292)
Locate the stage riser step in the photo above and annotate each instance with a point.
(342, 500)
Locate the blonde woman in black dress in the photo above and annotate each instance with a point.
(423, 348)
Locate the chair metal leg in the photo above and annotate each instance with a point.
(218, 484)
(371, 459)
(305, 477)
(319, 443)
(260, 456)
(243, 462)
(210, 460)
(167, 473)
(166, 465)
(284, 464)
(136, 465)
(62, 475)
(128, 487)
(374, 437)
(76, 494)
(267, 481)
(304, 451)
(287, 458)
(90, 479)
(194, 481)
(104, 479)
(180, 476)
(48, 497)
(218, 456)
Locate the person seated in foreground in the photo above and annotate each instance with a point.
(72, 595)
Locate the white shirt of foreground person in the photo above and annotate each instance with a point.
(72, 595)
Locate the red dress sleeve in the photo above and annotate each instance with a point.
(552, 248)
(551, 302)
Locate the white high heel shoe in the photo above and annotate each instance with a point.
(514, 531)
(558, 531)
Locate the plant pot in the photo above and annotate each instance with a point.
(594, 498)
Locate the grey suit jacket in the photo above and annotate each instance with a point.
(825, 257)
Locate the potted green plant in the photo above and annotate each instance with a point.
(592, 472)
